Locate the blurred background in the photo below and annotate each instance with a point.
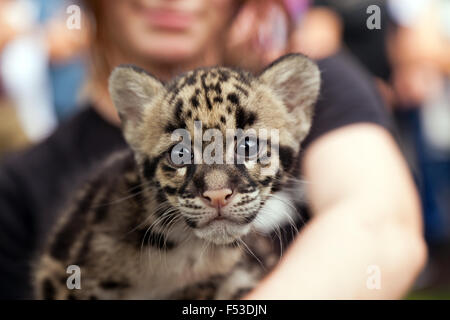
(404, 44)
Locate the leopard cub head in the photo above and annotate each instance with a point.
(215, 143)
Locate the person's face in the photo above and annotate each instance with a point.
(166, 30)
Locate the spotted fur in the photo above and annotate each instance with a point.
(140, 229)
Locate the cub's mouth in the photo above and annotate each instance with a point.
(222, 231)
(222, 223)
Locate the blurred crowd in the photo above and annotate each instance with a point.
(42, 67)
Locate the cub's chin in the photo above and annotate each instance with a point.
(222, 232)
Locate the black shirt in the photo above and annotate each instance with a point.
(367, 45)
(35, 183)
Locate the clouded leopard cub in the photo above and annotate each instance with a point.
(161, 221)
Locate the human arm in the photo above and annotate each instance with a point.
(365, 212)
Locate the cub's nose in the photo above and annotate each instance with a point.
(218, 198)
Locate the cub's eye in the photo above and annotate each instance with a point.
(248, 148)
(180, 155)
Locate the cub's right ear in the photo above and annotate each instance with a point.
(132, 91)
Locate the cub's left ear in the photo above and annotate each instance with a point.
(133, 92)
(295, 79)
